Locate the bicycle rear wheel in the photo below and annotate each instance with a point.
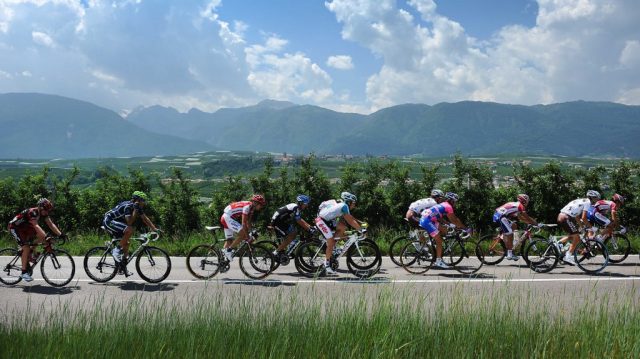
(591, 256)
(153, 264)
(10, 266)
(542, 255)
(618, 247)
(203, 261)
(272, 246)
(493, 249)
(364, 259)
(99, 264)
(58, 268)
(417, 258)
(259, 261)
(451, 251)
(395, 249)
(470, 255)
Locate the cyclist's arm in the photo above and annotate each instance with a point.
(454, 219)
(352, 221)
(583, 219)
(148, 222)
(246, 223)
(614, 219)
(302, 223)
(523, 216)
(52, 226)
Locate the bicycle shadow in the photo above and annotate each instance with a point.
(46, 289)
(374, 280)
(145, 287)
(468, 276)
(602, 274)
(259, 283)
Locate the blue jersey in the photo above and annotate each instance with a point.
(119, 212)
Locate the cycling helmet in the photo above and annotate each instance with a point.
(258, 198)
(348, 197)
(523, 198)
(45, 204)
(618, 198)
(303, 198)
(436, 193)
(450, 196)
(593, 194)
(139, 195)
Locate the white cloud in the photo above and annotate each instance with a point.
(42, 38)
(340, 62)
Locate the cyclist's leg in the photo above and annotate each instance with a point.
(21, 238)
(433, 229)
(507, 227)
(124, 242)
(290, 234)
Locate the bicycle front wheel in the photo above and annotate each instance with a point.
(452, 251)
(364, 259)
(417, 258)
(58, 268)
(470, 255)
(272, 247)
(310, 258)
(153, 264)
(395, 249)
(10, 266)
(100, 265)
(591, 256)
(256, 262)
(618, 247)
(542, 255)
(203, 261)
(493, 249)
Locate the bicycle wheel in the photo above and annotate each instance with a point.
(58, 268)
(543, 256)
(452, 251)
(618, 247)
(364, 259)
(99, 264)
(470, 255)
(203, 261)
(417, 258)
(395, 249)
(493, 249)
(10, 266)
(591, 256)
(272, 246)
(153, 264)
(260, 261)
(310, 258)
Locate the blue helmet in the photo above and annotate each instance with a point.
(303, 198)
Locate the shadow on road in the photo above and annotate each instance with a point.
(469, 276)
(46, 289)
(145, 287)
(260, 283)
(374, 280)
(602, 274)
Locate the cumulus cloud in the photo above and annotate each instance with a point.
(578, 49)
(340, 62)
(42, 38)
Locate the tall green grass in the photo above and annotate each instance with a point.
(389, 324)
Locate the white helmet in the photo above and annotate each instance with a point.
(348, 197)
(593, 194)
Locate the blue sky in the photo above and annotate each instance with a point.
(347, 55)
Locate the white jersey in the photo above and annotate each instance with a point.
(422, 204)
(332, 209)
(576, 207)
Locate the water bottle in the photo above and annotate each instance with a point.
(516, 239)
(337, 252)
(117, 253)
(292, 245)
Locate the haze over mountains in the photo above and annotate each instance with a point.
(46, 126)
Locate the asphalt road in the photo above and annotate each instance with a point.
(565, 285)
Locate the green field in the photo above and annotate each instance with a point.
(395, 324)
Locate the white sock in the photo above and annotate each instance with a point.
(509, 252)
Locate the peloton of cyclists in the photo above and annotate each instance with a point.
(237, 221)
(284, 222)
(506, 215)
(24, 228)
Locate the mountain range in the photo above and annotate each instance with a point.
(47, 126)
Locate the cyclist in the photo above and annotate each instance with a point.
(572, 217)
(416, 208)
(431, 219)
(283, 222)
(506, 215)
(597, 214)
(237, 218)
(24, 228)
(119, 223)
(332, 220)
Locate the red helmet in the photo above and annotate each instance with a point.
(258, 198)
(523, 198)
(45, 204)
(618, 198)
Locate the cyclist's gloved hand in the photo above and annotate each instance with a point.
(312, 230)
(468, 230)
(362, 230)
(63, 236)
(254, 233)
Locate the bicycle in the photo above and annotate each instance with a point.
(204, 261)
(57, 266)
(362, 254)
(152, 263)
(495, 249)
(590, 255)
(458, 252)
(290, 252)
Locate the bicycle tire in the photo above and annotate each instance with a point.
(395, 249)
(417, 258)
(618, 245)
(58, 268)
(10, 266)
(151, 261)
(587, 256)
(452, 255)
(493, 248)
(470, 259)
(260, 259)
(271, 246)
(100, 265)
(364, 265)
(203, 261)
(543, 255)
(310, 258)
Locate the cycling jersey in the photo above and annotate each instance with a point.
(122, 210)
(597, 213)
(431, 216)
(332, 209)
(236, 209)
(284, 217)
(422, 204)
(22, 226)
(603, 206)
(509, 210)
(576, 207)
